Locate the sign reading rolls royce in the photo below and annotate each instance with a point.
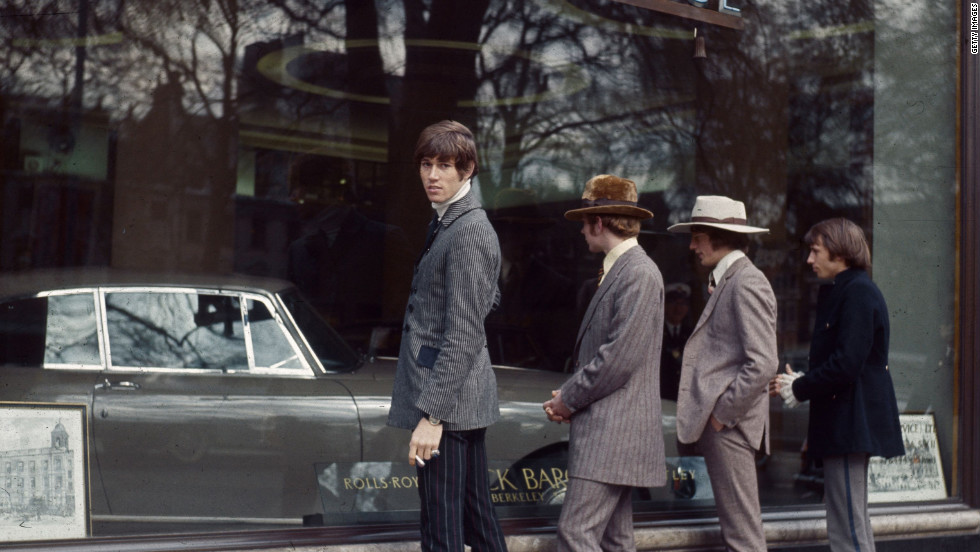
(388, 491)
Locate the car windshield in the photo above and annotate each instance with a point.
(329, 347)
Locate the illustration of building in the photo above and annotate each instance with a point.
(39, 481)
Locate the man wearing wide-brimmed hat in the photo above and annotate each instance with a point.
(723, 403)
(612, 400)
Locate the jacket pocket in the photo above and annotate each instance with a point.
(427, 356)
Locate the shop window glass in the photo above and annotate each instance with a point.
(277, 141)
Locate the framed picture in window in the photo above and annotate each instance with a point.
(916, 476)
(44, 472)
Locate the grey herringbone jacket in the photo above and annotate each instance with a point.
(443, 364)
(616, 432)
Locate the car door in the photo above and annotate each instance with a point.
(209, 410)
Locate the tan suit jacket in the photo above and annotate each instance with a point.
(730, 358)
(616, 432)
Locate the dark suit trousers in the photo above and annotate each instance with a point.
(731, 467)
(455, 493)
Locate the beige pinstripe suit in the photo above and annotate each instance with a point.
(616, 439)
(728, 362)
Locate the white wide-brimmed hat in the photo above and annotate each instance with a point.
(719, 212)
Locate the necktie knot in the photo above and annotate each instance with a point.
(601, 272)
(711, 283)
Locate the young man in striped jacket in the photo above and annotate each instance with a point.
(445, 390)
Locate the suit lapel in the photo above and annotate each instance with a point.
(718, 292)
(607, 283)
(467, 203)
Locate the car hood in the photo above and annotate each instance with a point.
(375, 376)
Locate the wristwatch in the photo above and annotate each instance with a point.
(434, 421)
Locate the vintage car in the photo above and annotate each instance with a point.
(213, 401)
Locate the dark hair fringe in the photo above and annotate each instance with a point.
(448, 140)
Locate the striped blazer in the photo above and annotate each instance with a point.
(616, 434)
(443, 365)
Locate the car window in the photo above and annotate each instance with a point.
(71, 337)
(334, 354)
(50, 331)
(22, 323)
(150, 329)
(270, 346)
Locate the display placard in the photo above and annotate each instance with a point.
(916, 476)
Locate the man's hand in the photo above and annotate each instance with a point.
(556, 410)
(775, 384)
(425, 441)
(784, 382)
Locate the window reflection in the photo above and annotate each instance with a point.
(175, 330)
(71, 336)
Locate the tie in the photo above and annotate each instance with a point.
(601, 272)
(430, 236)
(711, 283)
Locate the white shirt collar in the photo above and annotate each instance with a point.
(616, 253)
(441, 208)
(724, 264)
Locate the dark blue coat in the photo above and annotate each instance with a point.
(852, 399)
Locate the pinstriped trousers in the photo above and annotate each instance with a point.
(455, 493)
(596, 516)
(846, 496)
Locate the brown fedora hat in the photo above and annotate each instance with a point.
(609, 195)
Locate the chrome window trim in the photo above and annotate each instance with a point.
(313, 360)
(73, 367)
(110, 367)
(271, 304)
(247, 332)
